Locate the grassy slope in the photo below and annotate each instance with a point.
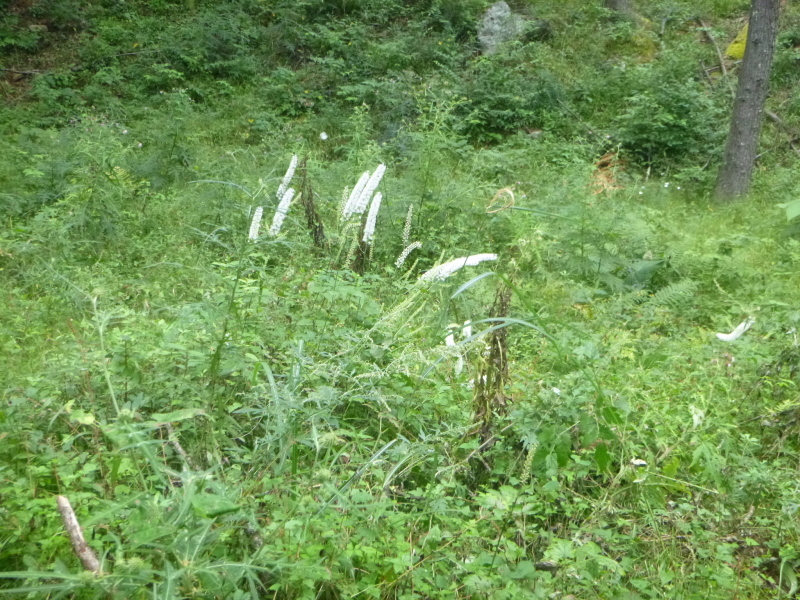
(322, 439)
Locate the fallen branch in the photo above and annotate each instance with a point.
(79, 545)
(21, 72)
(721, 58)
(173, 439)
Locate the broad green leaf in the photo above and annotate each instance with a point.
(177, 415)
(211, 505)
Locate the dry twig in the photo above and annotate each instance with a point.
(79, 545)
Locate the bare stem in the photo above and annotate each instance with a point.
(83, 551)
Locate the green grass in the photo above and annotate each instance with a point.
(281, 419)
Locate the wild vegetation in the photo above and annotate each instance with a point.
(314, 408)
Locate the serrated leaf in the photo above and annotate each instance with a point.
(211, 505)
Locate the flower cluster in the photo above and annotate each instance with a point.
(442, 272)
(287, 179)
(404, 254)
(360, 196)
(738, 332)
(372, 218)
(280, 213)
(407, 228)
(255, 224)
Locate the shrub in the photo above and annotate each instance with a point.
(669, 120)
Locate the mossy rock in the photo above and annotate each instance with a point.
(738, 45)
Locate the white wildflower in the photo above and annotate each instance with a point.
(360, 205)
(287, 179)
(407, 228)
(698, 416)
(280, 213)
(372, 217)
(255, 224)
(638, 462)
(450, 340)
(738, 332)
(442, 272)
(349, 206)
(404, 254)
(323, 136)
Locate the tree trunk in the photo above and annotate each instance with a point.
(741, 148)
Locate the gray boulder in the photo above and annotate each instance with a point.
(498, 25)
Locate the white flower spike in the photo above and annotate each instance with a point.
(738, 332)
(352, 200)
(280, 213)
(361, 204)
(255, 224)
(372, 218)
(444, 271)
(287, 179)
(404, 254)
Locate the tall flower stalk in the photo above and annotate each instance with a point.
(287, 178)
(443, 271)
(372, 217)
(255, 224)
(280, 213)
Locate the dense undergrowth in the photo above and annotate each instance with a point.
(300, 416)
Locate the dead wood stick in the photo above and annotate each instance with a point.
(21, 72)
(79, 545)
(173, 439)
(721, 58)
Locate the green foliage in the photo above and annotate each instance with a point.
(669, 120)
(504, 93)
(288, 419)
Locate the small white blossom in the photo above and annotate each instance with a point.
(638, 462)
(666, 185)
(287, 179)
(450, 340)
(124, 132)
(738, 332)
(372, 217)
(323, 136)
(280, 213)
(442, 272)
(556, 391)
(255, 224)
(404, 254)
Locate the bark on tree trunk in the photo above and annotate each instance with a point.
(741, 148)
